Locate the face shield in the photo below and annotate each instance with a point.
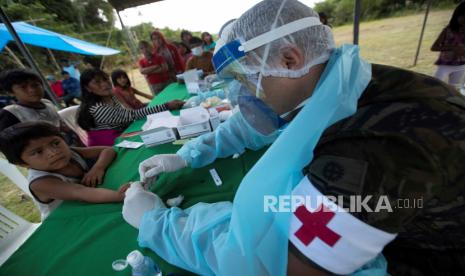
(236, 61)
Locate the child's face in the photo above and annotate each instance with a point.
(122, 81)
(207, 38)
(28, 92)
(100, 86)
(146, 50)
(46, 154)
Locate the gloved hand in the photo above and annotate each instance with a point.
(138, 201)
(150, 168)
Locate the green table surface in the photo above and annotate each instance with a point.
(84, 239)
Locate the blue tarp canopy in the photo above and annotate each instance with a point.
(36, 36)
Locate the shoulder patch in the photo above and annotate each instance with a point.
(339, 174)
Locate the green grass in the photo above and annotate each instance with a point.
(12, 198)
(394, 41)
(390, 41)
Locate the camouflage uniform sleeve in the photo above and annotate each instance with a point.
(393, 176)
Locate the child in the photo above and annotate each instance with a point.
(200, 59)
(102, 115)
(56, 171)
(71, 88)
(125, 92)
(451, 45)
(208, 43)
(184, 51)
(56, 86)
(28, 89)
(154, 68)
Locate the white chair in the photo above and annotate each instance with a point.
(14, 231)
(68, 115)
(12, 172)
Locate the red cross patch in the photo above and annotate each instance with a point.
(314, 225)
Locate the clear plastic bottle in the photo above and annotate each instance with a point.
(142, 265)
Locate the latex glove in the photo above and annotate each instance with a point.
(150, 168)
(138, 201)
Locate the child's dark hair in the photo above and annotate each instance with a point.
(185, 32)
(88, 99)
(144, 43)
(11, 77)
(195, 40)
(115, 75)
(15, 138)
(188, 49)
(454, 22)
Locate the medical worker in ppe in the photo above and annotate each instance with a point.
(370, 136)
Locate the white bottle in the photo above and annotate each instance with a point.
(142, 265)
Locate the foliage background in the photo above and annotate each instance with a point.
(93, 20)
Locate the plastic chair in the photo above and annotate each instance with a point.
(68, 115)
(12, 172)
(14, 231)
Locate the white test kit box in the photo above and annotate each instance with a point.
(193, 122)
(158, 136)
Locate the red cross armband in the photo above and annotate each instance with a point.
(330, 236)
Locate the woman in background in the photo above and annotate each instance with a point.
(208, 43)
(169, 52)
(451, 45)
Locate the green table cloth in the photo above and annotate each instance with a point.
(84, 239)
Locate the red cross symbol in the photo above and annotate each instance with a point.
(314, 225)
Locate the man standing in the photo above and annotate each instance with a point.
(71, 87)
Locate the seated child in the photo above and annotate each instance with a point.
(28, 90)
(56, 171)
(125, 93)
(102, 115)
(200, 59)
(71, 88)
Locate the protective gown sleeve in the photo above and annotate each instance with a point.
(232, 136)
(190, 238)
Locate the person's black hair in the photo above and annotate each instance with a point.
(454, 22)
(88, 99)
(188, 49)
(11, 77)
(64, 73)
(185, 32)
(195, 40)
(14, 139)
(144, 42)
(116, 74)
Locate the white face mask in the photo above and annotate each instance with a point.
(197, 51)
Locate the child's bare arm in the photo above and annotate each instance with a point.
(53, 188)
(140, 93)
(104, 155)
(150, 69)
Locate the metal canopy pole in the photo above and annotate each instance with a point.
(357, 10)
(28, 56)
(131, 42)
(422, 32)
